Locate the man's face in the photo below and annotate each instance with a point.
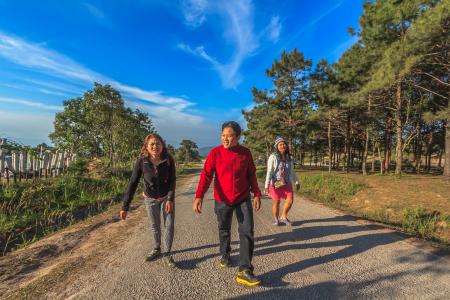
(229, 138)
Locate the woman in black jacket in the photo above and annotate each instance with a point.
(158, 169)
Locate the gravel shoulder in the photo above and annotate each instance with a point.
(324, 255)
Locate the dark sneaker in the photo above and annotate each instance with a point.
(225, 262)
(168, 261)
(247, 278)
(286, 222)
(156, 253)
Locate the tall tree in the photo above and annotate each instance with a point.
(290, 95)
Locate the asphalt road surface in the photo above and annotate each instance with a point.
(324, 255)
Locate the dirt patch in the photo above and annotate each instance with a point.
(53, 261)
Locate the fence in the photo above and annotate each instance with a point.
(24, 165)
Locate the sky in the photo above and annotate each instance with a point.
(190, 64)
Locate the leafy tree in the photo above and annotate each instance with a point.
(290, 96)
(99, 125)
(188, 152)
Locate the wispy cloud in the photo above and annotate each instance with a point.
(98, 14)
(194, 12)
(344, 46)
(273, 30)
(239, 30)
(38, 58)
(301, 31)
(31, 104)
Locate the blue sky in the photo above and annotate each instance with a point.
(190, 64)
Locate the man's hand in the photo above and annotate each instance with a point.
(266, 191)
(123, 214)
(256, 203)
(197, 207)
(168, 207)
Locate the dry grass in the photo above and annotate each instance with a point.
(420, 204)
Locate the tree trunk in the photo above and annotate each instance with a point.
(381, 160)
(418, 148)
(347, 140)
(329, 145)
(399, 131)
(373, 157)
(447, 150)
(387, 144)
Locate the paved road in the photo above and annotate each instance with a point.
(324, 255)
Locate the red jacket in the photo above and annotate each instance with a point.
(235, 175)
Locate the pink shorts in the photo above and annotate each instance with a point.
(281, 193)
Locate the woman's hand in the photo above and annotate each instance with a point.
(123, 214)
(266, 191)
(168, 207)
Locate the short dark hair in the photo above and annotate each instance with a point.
(233, 125)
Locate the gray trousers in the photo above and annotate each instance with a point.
(156, 209)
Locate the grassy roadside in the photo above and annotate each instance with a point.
(29, 211)
(415, 204)
(32, 210)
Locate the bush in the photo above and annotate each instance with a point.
(420, 221)
(79, 167)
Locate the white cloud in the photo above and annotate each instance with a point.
(273, 30)
(28, 128)
(38, 58)
(175, 126)
(238, 19)
(172, 116)
(31, 104)
(98, 14)
(194, 12)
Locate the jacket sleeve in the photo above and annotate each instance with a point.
(293, 175)
(252, 176)
(206, 176)
(132, 185)
(172, 179)
(269, 172)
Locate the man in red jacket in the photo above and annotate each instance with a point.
(234, 174)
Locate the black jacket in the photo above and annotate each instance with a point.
(156, 184)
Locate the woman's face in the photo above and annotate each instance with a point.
(229, 138)
(154, 147)
(281, 147)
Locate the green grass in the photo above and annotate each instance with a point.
(420, 221)
(336, 190)
(29, 211)
(329, 188)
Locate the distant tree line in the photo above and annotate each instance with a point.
(386, 97)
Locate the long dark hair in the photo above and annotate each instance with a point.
(144, 152)
(287, 153)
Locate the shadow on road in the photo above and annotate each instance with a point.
(365, 238)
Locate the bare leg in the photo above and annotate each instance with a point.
(276, 209)
(287, 206)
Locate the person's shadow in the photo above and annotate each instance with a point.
(276, 243)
